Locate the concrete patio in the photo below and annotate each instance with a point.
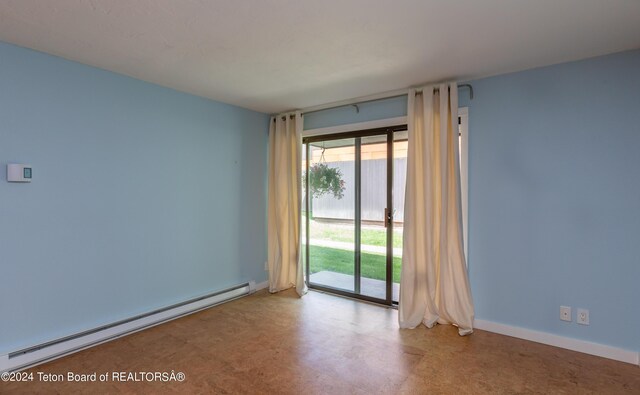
(368, 286)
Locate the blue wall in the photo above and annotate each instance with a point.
(554, 195)
(554, 198)
(141, 197)
(371, 111)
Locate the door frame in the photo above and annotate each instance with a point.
(357, 135)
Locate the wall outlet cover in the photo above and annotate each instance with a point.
(565, 313)
(582, 317)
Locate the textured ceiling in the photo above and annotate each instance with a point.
(275, 55)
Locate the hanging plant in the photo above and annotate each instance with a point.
(325, 180)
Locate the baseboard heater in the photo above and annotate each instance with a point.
(38, 354)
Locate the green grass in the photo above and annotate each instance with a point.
(370, 237)
(342, 261)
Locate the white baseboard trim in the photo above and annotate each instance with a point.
(23, 359)
(262, 285)
(568, 343)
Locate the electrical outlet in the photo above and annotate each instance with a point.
(582, 317)
(565, 313)
(266, 266)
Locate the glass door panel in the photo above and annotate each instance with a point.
(353, 189)
(331, 179)
(373, 216)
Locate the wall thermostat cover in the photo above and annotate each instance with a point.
(19, 172)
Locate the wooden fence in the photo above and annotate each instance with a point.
(374, 194)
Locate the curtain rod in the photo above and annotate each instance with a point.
(355, 104)
(385, 98)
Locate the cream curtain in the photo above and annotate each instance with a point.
(434, 286)
(283, 223)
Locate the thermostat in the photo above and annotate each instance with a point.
(19, 173)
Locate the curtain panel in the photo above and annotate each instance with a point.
(283, 222)
(434, 285)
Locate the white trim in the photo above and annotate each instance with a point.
(463, 113)
(601, 350)
(74, 345)
(352, 127)
(262, 285)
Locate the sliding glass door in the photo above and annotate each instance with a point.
(352, 228)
